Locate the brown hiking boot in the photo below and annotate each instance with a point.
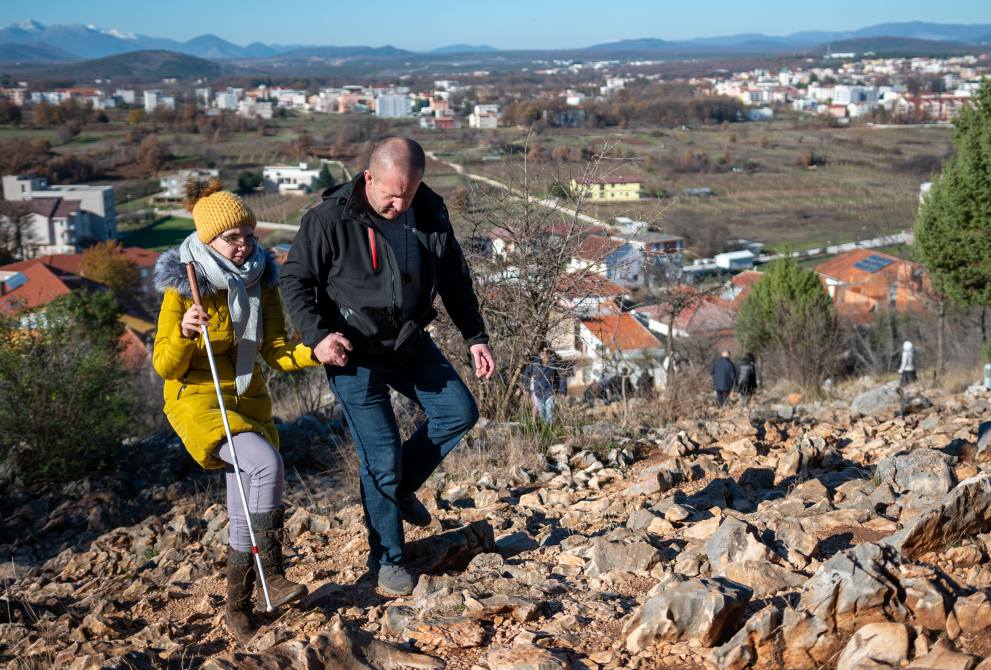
(271, 536)
(240, 580)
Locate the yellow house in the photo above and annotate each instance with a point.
(608, 189)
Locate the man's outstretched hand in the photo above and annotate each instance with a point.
(333, 350)
(481, 356)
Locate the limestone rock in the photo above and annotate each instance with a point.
(706, 610)
(763, 577)
(334, 649)
(943, 656)
(756, 640)
(523, 657)
(452, 550)
(852, 585)
(923, 472)
(963, 512)
(462, 632)
(875, 646)
(606, 556)
(734, 541)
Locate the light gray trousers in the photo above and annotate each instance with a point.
(262, 478)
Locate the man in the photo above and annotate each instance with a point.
(746, 378)
(359, 284)
(723, 377)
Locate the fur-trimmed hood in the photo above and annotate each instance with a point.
(170, 273)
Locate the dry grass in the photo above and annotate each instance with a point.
(471, 459)
(954, 379)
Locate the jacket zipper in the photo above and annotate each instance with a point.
(371, 243)
(393, 272)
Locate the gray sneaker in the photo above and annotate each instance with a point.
(414, 512)
(395, 580)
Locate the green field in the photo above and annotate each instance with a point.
(161, 236)
(865, 182)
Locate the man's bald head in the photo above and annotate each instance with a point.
(398, 154)
(394, 172)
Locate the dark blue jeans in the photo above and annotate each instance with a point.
(390, 468)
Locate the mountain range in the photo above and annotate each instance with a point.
(31, 41)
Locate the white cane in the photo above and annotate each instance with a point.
(230, 438)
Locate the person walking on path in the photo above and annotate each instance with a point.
(242, 309)
(723, 377)
(360, 282)
(746, 378)
(907, 366)
(542, 380)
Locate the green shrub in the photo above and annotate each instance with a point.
(65, 396)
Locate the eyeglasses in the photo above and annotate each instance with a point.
(236, 240)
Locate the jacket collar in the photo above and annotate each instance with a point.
(426, 202)
(170, 273)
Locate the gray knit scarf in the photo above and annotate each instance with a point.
(243, 288)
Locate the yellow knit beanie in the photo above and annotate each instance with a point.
(214, 209)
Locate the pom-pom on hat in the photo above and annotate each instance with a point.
(214, 209)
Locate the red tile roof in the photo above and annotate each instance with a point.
(620, 332)
(42, 286)
(745, 281)
(597, 247)
(72, 263)
(578, 286)
(842, 267)
(133, 351)
(710, 315)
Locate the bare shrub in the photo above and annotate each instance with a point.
(520, 249)
(295, 394)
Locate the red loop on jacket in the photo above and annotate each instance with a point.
(371, 242)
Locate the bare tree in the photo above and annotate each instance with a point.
(521, 247)
(16, 234)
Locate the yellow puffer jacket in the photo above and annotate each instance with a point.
(190, 398)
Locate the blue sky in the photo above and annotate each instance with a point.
(424, 24)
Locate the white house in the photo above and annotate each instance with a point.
(173, 185)
(97, 202)
(617, 259)
(484, 116)
(393, 105)
(735, 260)
(291, 179)
(151, 97)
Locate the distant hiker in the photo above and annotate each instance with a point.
(542, 380)
(907, 367)
(746, 378)
(243, 312)
(723, 377)
(360, 283)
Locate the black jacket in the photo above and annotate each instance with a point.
(723, 374)
(341, 274)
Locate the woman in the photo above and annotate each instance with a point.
(242, 309)
(907, 367)
(542, 379)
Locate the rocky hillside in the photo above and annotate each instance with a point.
(834, 535)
